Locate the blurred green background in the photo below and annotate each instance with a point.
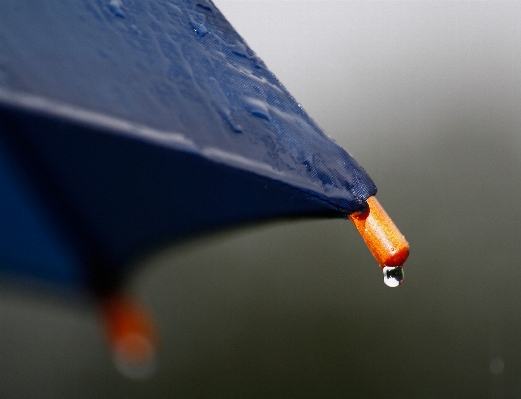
(427, 97)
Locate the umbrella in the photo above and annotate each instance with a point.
(125, 125)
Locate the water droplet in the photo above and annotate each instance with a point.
(497, 365)
(204, 7)
(135, 357)
(240, 50)
(236, 128)
(258, 108)
(393, 275)
(198, 28)
(116, 8)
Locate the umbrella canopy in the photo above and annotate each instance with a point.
(129, 124)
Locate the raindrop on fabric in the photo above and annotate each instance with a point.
(116, 8)
(198, 28)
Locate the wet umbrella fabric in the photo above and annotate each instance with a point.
(127, 125)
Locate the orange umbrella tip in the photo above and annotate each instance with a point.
(131, 336)
(384, 240)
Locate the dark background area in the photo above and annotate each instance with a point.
(427, 97)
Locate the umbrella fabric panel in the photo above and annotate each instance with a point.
(32, 245)
(180, 68)
(116, 197)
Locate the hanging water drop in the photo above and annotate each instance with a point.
(135, 357)
(393, 275)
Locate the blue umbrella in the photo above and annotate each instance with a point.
(125, 125)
